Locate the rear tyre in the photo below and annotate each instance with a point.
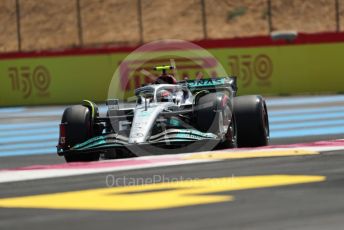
(79, 129)
(252, 121)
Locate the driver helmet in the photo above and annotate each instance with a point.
(164, 96)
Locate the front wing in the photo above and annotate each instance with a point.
(170, 138)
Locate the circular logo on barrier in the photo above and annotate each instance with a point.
(262, 67)
(41, 78)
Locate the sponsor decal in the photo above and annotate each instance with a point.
(28, 81)
(247, 67)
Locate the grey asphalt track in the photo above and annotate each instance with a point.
(305, 206)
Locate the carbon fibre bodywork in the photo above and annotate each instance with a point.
(164, 116)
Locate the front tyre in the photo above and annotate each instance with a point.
(78, 120)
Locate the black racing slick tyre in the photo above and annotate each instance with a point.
(79, 129)
(252, 121)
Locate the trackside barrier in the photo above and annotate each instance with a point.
(309, 64)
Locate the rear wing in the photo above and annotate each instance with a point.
(211, 84)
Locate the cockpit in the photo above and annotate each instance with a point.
(162, 93)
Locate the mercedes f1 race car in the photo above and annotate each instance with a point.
(168, 117)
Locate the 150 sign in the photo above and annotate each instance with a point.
(247, 67)
(26, 79)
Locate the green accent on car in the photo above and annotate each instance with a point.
(144, 113)
(88, 103)
(101, 142)
(174, 122)
(94, 139)
(206, 82)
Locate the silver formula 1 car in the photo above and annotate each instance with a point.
(168, 117)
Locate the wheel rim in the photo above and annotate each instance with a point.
(229, 126)
(225, 123)
(233, 133)
(266, 122)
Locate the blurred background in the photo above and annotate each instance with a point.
(28, 25)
